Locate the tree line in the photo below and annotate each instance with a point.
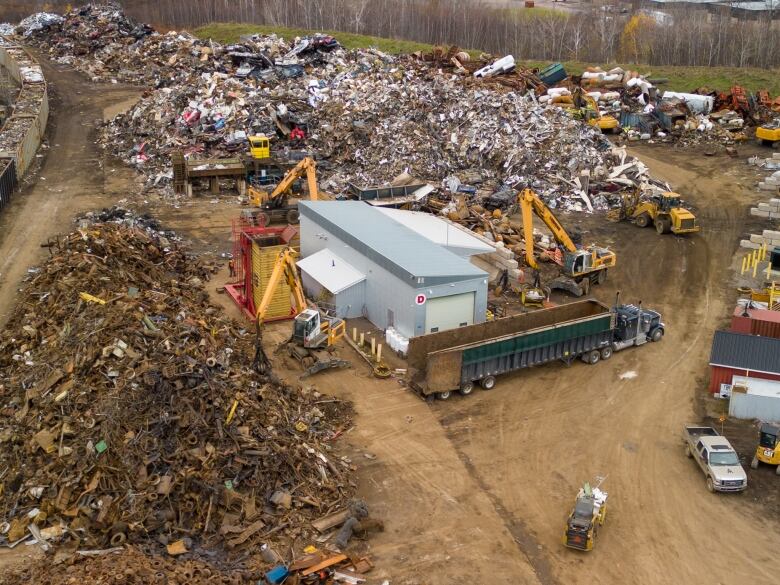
(693, 36)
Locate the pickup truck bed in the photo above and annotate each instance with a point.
(716, 457)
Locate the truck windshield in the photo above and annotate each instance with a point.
(724, 459)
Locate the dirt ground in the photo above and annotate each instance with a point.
(477, 489)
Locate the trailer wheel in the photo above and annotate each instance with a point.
(592, 357)
(754, 463)
(488, 382)
(642, 220)
(710, 485)
(292, 216)
(443, 395)
(466, 388)
(657, 334)
(606, 353)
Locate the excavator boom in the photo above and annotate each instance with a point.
(530, 204)
(307, 166)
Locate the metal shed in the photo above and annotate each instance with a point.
(413, 284)
(334, 283)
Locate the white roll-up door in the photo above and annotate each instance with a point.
(444, 313)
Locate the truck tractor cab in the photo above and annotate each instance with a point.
(259, 146)
(768, 449)
(636, 326)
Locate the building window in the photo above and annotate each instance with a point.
(463, 324)
(434, 329)
(420, 280)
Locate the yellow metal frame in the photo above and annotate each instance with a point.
(283, 268)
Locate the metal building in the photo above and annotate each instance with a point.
(363, 262)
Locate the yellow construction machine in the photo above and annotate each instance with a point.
(581, 266)
(769, 134)
(313, 330)
(275, 206)
(589, 512)
(259, 147)
(587, 109)
(665, 212)
(768, 449)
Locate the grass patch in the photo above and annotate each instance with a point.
(227, 33)
(686, 79)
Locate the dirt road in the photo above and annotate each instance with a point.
(72, 178)
(534, 439)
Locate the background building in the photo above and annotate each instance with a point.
(365, 262)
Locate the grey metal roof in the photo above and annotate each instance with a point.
(746, 352)
(401, 250)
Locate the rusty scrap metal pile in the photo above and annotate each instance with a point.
(130, 410)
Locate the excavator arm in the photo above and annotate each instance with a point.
(306, 167)
(530, 204)
(284, 267)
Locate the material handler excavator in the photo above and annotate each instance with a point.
(581, 266)
(276, 206)
(313, 330)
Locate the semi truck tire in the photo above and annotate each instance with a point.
(466, 388)
(592, 357)
(606, 353)
(488, 382)
(443, 395)
(657, 334)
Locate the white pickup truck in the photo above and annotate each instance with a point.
(716, 457)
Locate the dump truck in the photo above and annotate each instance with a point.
(716, 458)
(457, 359)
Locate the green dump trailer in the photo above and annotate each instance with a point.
(457, 359)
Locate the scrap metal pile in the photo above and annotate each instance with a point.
(130, 410)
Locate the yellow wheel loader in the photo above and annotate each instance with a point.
(664, 211)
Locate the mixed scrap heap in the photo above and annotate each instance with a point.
(367, 116)
(130, 410)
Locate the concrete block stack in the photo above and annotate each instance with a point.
(770, 210)
(769, 237)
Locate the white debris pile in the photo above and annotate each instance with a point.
(40, 21)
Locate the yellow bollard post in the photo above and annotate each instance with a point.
(373, 345)
(768, 270)
(362, 339)
(379, 354)
(354, 334)
(754, 258)
(744, 265)
(755, 269)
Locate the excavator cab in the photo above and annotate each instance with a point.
(768, 449)
(306, 328)
(259, 146)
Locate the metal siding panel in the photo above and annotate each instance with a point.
(765, 328)
(751, 406)
(351, 301)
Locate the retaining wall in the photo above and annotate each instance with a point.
(23, 132)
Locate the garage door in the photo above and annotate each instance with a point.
(449, 312)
